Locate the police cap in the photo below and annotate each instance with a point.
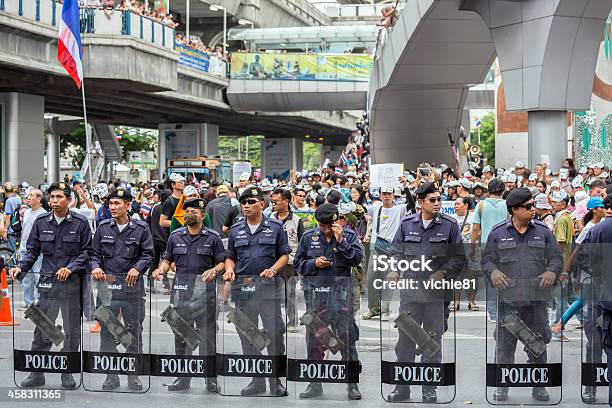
(326, 213)
(517, 197)
(64, 187)
(426, 188)
(120, 193)
(195, 203)
(251, 192)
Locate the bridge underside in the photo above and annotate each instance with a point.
(420, 83)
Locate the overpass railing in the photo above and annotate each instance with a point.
(118, 22)
(301, 67)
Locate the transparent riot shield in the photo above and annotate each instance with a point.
(46, 342)
(116, 346)
(524, 367)
(251, 340)
(183, 335)
(322, 353)
(594, 366)
(418, 340)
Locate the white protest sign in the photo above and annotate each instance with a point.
(448, 208)
(237, 169)
(386, 175)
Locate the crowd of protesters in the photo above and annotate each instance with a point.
(567, 199)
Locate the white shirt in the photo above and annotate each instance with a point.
(28, 221)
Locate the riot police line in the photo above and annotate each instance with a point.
(217, 302)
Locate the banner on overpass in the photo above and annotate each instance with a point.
(303, 67)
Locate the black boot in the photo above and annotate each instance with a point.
(257, 386)
(353, 392)
(540, 394)
(429, 394)
(180, 384)
(211, 384)
(313, 390)
(589, 395)
(33, 380)
(277, 388)
(500, 394)
(134, 383)
(399, 394)
(68, 381)
(111, 382)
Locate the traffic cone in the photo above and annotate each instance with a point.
(6, 316)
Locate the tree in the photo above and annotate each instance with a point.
(234, 147)
(72, 144)
(312, 155)
(487, 137)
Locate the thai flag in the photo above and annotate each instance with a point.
(69, 52)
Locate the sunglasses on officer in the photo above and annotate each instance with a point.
(249, 201)
(526, 206)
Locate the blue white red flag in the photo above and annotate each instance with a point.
(69, 52)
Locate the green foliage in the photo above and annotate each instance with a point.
(137, 140)
(235, 148)
(312, 155)
(487, 137)
(72, 145)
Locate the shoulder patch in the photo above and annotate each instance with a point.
(499, 225)
(104, 222)
(212, 231)
(176, 231)
(39, 216)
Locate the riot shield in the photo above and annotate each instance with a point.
(46, 343)
(524, 367)
(594, 366)
(322, 353)
(418, 341)
(184, 336)
(251, 357)
(116, 347)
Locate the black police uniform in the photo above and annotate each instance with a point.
(441, 243)
(329, 298)
(254, 252)
(597, 247)
(116, 253)
(522, 258)
(193, 255)
(62, 245)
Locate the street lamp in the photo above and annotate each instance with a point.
(214, 7)
(244, 21)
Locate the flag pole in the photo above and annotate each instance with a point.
(87, 138)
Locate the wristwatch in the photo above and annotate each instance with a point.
(274, 269)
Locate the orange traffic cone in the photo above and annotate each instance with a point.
(6, 316)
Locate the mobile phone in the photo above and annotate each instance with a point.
(424, 171)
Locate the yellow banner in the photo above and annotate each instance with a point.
(304, 67)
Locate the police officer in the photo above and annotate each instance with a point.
(521, 247)
(597, 246)
(329, 251)
(258, 246)
(122, 250)
(197, 251)
(436, 237)
(64, 239)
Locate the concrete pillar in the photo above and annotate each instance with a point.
(297, 154)
(547, 138)
(209, 140)
(53, 157)
(186, 140)
(22, 138)
(280, 156)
